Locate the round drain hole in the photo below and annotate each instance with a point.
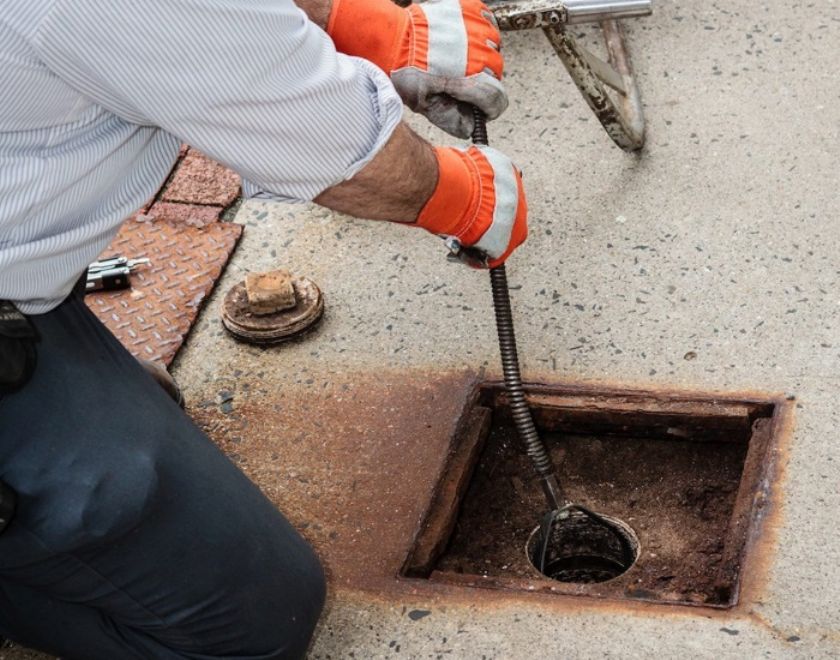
(583, 548)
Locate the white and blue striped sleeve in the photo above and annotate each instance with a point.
(252, 83)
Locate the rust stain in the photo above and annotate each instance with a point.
(761, 547)
(352, 465)
(665, 394)
(442, 512)
(386, 591)
(355, 465)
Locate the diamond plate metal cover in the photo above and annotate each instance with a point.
(153, 317)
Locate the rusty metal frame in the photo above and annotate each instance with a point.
(758, 420)
(621, 113)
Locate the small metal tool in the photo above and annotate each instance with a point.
(112, 273)
(470, 256)
(117, 262)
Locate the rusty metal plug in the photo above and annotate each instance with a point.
(272, 307)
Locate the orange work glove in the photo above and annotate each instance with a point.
(442, 55)
(479, 201)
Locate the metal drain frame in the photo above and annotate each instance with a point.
(658, 414)
(623, 118)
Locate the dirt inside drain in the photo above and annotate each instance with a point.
(685, 473)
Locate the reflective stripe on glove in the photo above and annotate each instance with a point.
(442, 55)
(479, 200)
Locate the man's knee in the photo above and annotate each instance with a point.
(84, 500)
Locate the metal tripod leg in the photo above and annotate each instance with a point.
(621, 118)
(620, 112)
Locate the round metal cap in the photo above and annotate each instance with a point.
(240, 319)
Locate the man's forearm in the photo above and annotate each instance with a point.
(394, 186)
(318, 11)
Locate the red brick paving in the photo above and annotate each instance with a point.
(200, 180)
(190, 214)
(153, 317)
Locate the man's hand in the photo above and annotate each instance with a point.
(479, 200)
(442, 55)
(473, 195)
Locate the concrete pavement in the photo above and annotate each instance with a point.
(719, 240)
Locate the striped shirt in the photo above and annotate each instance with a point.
(97, 95)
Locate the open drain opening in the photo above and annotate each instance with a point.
(688, 473)
(581, 547)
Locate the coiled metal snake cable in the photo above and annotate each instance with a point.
(522, 418)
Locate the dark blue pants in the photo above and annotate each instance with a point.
(135, 537)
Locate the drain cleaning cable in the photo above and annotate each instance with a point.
(560, 508)
(522, 419)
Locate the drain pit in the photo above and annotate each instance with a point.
(687, 478)
(576, 547)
